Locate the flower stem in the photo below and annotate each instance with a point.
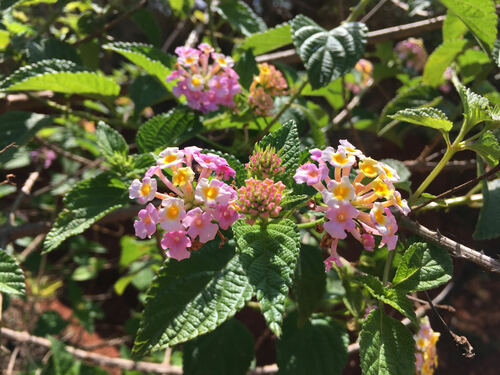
(357, 11)
(310, 224)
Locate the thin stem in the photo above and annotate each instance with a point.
(211, 27)
(387, 268)
(357, 11)
(310, 224)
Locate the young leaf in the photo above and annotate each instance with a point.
(487, 225)
(19, 127)
(110, 142)
(319, 347)
(416, 96)
(386, 346)
(192, 297)
(440, 59)
(309, 281)
(391, 297)
(59, 76)
(423, 266)
(479, 16)
(11, 275)
(327, 55)
(285, 139)
(269, 40)
(268, 255)
(151, 59)
(181, 7)
(488, 147)
(203, 357)
(476, 107)
(241, 16)
(168, 129)
(453, 27)
(86, 203)
(430, 117)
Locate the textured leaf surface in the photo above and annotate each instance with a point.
(192, 297)
(440, 59)
(241, 17)
(19, 127)
(168, 129)
(416, 96)
(327, 55)
(423, 266)
(285, 139)
(202, 357)
(86, 203)
(309, 281)
(59, 76)
(479, 16)
(11, 275)
(151, 59)
(487, 226)
(488, 147)
(319, 347)
(391, 297)
(269, 40)
(430, 117)
(386, 347)
(268, 258)
(475, 106)
(110, 141)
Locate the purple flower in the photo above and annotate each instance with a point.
(177, 243)
(200, 224)
(340, 217)
(310, 174)
(146, 226)
(226, 215)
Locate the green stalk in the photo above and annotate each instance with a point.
(357, 11)
(387, 268)
(310, 224)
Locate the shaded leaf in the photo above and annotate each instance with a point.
(488, 147)
(11, 275)
(487, 225)
(241, 16)
(110, 142)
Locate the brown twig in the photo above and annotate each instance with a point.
(111, 24)
(457, 250)
(472, 182)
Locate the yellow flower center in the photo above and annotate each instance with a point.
(369, 167)
(170, 158)
(221, 61)
(341, 192)
(196, 81)
(189, 60)
(379, 217)
(182, 176)
(172, 212)
(145, 189)
(210, 192)
(381, 189)
(339, 158)
(387, 171)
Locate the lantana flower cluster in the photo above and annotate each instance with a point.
(356, 199)
(412, 53)
(205, 78)
(426, 358)
(261, 196)
(265, 87)
(363, 75)
(196, 203)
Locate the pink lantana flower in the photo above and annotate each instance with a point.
(170, 157)
(310, 174)
(146, 226)
(143, 191)
(213, 192)
(171, 214)
(226, 215)
(340, 217)
(176, 243)
(200, 224)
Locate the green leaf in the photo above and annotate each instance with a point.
(327, 55)
(269, 40)
(52, 48)
(487, 225)
(440, 59)
(59, 76)
(49, 323)
(476, 107)
(496, 52)
(319, 347)
(291, 201)
(386, 346)
(488, 147)
(309, 281)
(201, 356)
(430, 117)
(392, 297)
(18, 127)
(181, 7)
(479, 16)
(241, 16)
(151, 59)
(416, 96)
(168, 129)
(110, 142)
(246, 67)
(86, 203)
(146, 91)
(192, 297)
(268, 256)
(11, 275)
(285, 139)
(453, 28)
(147, 22)
(62, 362)
(422, 267)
